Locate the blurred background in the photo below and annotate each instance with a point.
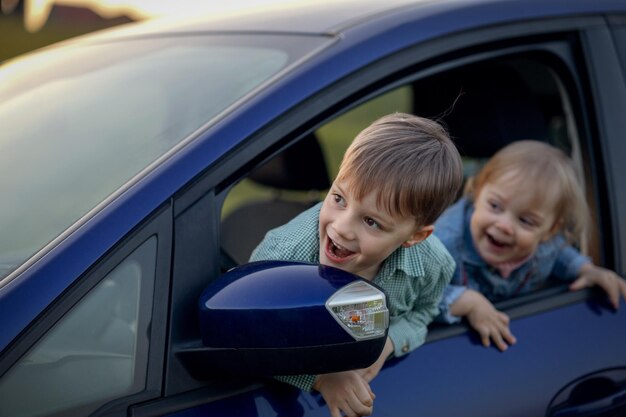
(30, 24)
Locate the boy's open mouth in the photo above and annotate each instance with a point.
(336, 252)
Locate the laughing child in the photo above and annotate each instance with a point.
(512, 231)
(395, 179)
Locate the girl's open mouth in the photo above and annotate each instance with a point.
(496, 242)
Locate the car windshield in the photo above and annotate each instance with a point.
(79, 122)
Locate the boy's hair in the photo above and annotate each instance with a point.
(547, 172)
(410, 161)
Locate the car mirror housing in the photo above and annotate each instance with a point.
(286, 318)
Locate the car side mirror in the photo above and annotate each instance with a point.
(287, 318)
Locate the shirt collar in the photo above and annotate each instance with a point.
(407, 260)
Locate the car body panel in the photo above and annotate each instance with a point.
(540, 360)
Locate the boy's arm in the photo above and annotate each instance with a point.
(345, 392)
(370, 372)
(304, 382)
(408, 331)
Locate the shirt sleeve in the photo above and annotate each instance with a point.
(273, 247)
(568, 263)
(450, 294)
(269, 249)
(408, 331)
(304, 382)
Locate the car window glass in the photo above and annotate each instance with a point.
(118, 115)
(95, 353)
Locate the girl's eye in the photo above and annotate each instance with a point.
(494, 205)
(372, 223)
(527, 221)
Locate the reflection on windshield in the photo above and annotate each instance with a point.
(77, 125)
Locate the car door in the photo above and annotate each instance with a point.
(567, 341)
(554, 80)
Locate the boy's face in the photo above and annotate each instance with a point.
(357, 236)
(508, 224)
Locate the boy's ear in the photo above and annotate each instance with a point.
(419, 235)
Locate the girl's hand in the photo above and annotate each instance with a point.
(490, 323)
(606, 279)
(345, 392)
(370, 372)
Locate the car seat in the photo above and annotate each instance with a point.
(484, 108)
(301, 167)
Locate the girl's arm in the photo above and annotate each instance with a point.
(490, 323)
(590, 275)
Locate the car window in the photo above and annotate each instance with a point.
(97, 115)
(296, 178)
(97, 352)
(485, 105)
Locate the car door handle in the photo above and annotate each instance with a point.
(600, 394)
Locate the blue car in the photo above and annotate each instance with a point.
(139, 166)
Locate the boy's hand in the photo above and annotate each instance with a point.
(490, 323)
(606, 279)
(370, 372)
(345, 392)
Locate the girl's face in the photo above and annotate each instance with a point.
(356, 236)
(509, 222)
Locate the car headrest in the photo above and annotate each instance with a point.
(301, 167)
(484, 107)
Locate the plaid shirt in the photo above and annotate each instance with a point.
(553, 258)
(413, 279)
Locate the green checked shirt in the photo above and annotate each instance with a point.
(413, 279)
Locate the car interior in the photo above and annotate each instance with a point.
(300, 168)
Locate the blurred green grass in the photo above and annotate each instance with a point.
(15, 40)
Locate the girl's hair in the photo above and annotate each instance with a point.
(409, 161)
(545, 171)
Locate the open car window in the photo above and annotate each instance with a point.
(485, 106)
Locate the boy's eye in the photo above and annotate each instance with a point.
(371, 223)
(339, 200)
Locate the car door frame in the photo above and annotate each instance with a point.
(159, 225)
